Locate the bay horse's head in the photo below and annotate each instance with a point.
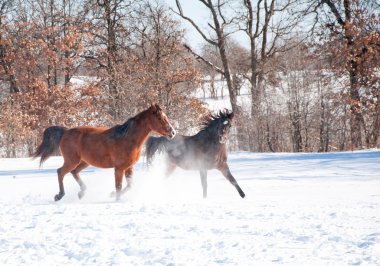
(159, 122)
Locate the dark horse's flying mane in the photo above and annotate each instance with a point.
(212, 119)
(204, 151)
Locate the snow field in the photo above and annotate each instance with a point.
(300, 209)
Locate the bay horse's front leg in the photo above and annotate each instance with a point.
(226, 172)
(204, 182)
(119, 173)
(128, 178)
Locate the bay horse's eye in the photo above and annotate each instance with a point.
(160, 118)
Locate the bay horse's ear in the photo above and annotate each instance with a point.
(158, 108)
(153, 107)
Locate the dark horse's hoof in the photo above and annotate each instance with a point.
(59, 196)
(81, 194)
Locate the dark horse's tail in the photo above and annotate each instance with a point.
(153, 145)
(50, 143)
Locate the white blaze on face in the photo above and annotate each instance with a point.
(170, 125)
(225, 122)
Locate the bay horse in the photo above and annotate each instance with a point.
(204, 151)
(118, 147)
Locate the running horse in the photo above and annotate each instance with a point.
(204, 151)
(118, 147)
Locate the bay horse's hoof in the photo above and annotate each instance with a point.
(81, 194)
(117, 196)
(59, 196)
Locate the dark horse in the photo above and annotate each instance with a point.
(118, 147)
(204, 151)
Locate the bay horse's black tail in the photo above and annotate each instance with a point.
(153, 145)
(50, 143)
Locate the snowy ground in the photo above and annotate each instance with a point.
(300, 209)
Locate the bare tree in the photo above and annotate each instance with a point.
(353, 39)
(218, 25)
(267, 24)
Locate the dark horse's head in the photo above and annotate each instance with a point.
(220, 124)
(159, 122)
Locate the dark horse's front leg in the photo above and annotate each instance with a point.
(204, 182)
(226, 172)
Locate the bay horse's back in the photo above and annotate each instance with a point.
(50, 143)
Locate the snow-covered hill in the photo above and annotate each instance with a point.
(300, 209)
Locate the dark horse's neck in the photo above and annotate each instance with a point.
(207, 136)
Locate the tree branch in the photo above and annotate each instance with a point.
(200, 58)
(335, 11)
(197, 28)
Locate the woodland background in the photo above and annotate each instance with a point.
(305, 79)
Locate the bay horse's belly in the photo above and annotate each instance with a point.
(95, 147)
(99, 150)
(101, 162)
(109, 158)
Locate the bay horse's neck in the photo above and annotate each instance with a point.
(141, 128)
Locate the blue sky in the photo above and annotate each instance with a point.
(195, 10)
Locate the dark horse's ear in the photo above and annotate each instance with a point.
(231, 115)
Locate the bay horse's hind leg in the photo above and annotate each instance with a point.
(67, 167)
(227, 174)
(75, 174)
(204, 182)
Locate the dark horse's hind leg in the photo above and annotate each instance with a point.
(75, 174)
(204, 182)
(226, 172)
(170, 167)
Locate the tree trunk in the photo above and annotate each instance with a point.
(111, 57)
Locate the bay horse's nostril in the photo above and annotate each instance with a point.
(172, 134)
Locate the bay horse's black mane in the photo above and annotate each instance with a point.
(120, 131)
